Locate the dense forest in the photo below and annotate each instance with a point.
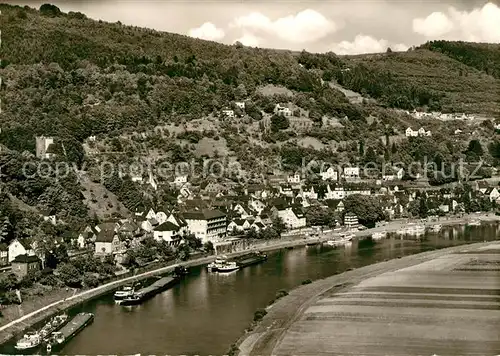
(68, 76)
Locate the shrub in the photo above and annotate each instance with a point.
(307, 281)
(259, 314)
(281, 293)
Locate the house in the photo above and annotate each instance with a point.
(25, 264)
(293, 179)
(241, 211)
(44, 147)
(330, 174)
(161, 217)
(240, 104)
(166, 232)
(292, 217)
(423, 132)
(4, 255)
(17, 248)
(151, 214)
(206, 224)
(107, 241)
(311, 194)
(179, 221)
(228, 113)
(351, 173)
(482, 186)
(351, 220)
(337, 194)
(258, 226)
(492, 193)
(180, 180)
(85, 237)
(411, 133)
(300, 123)
(282, 110)
(239, 225)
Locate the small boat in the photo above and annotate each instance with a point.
(228, 267)
(331, 243)
(215, 265)
(134, 299)
(29, 341)
(437, 227)
(474, 222)
(58, 338)
(379, 235)
(180, 271)
(33, 339)
(124, 293)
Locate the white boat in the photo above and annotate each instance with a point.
(127, 291)
(474, 222)
(331, 243)
(379, 235)
(228, 267)
(401, 232)
(29, 341)
(437, 227)
(419, 229)
(219, 262)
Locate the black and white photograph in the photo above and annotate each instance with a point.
(250, 178)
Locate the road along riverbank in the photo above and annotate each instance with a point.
(312, 318)
(32, 317)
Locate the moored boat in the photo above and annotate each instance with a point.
(474, 222)
(219, 262)
(228, 267)
(34, 339)
(436, 227)
(331, 243)
(57, 339)
(29, 341)
(379, 235)
(144, 293)
(123, 293)
(250, 259)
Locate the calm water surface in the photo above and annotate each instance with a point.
(207, 312)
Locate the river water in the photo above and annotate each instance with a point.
(207, 312)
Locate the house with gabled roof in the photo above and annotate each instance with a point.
(206, 224)
(167, 231)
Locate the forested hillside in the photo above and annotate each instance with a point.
(71, 77)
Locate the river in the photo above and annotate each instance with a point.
(207, 312)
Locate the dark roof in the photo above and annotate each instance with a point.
(105, 236)
(107, 226)
(167, 226)
(25, 259)
(204, 214)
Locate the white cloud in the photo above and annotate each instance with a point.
(434, 25)
(478, 25)
(207, 31)
(249, 40)
(305, 26)
(365, 44)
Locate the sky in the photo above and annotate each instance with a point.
(341, 26)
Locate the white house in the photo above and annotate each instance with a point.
(151, 214)
(423, 132)
(207, 225)
(257, 205)
(239, 225)
(350, 220)
(228, 113)
(329, 174)
(337, 194)
(16, 248)
(311, 194)
(244, 213)
(293, 218)
(414, 133)
(180, 180)
(240, 104)
(282, 110)
(166, 232)
(351, 173)
(293, 179)
(492, 193)
(161, 217)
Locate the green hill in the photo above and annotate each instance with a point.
(71, 77)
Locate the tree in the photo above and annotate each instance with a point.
(474, 150)
(318, 216)
(367, 208)
(193, 242)
(208, 246)
(279, 122)
(69, 275)
(278, 225)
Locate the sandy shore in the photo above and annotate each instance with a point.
(39, 313)
(262, 340)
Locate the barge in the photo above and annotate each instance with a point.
(250, 259)
(147, 292)
(32, 340)
(59, 338)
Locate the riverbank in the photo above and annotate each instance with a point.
(42, 311)
(267, 337)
